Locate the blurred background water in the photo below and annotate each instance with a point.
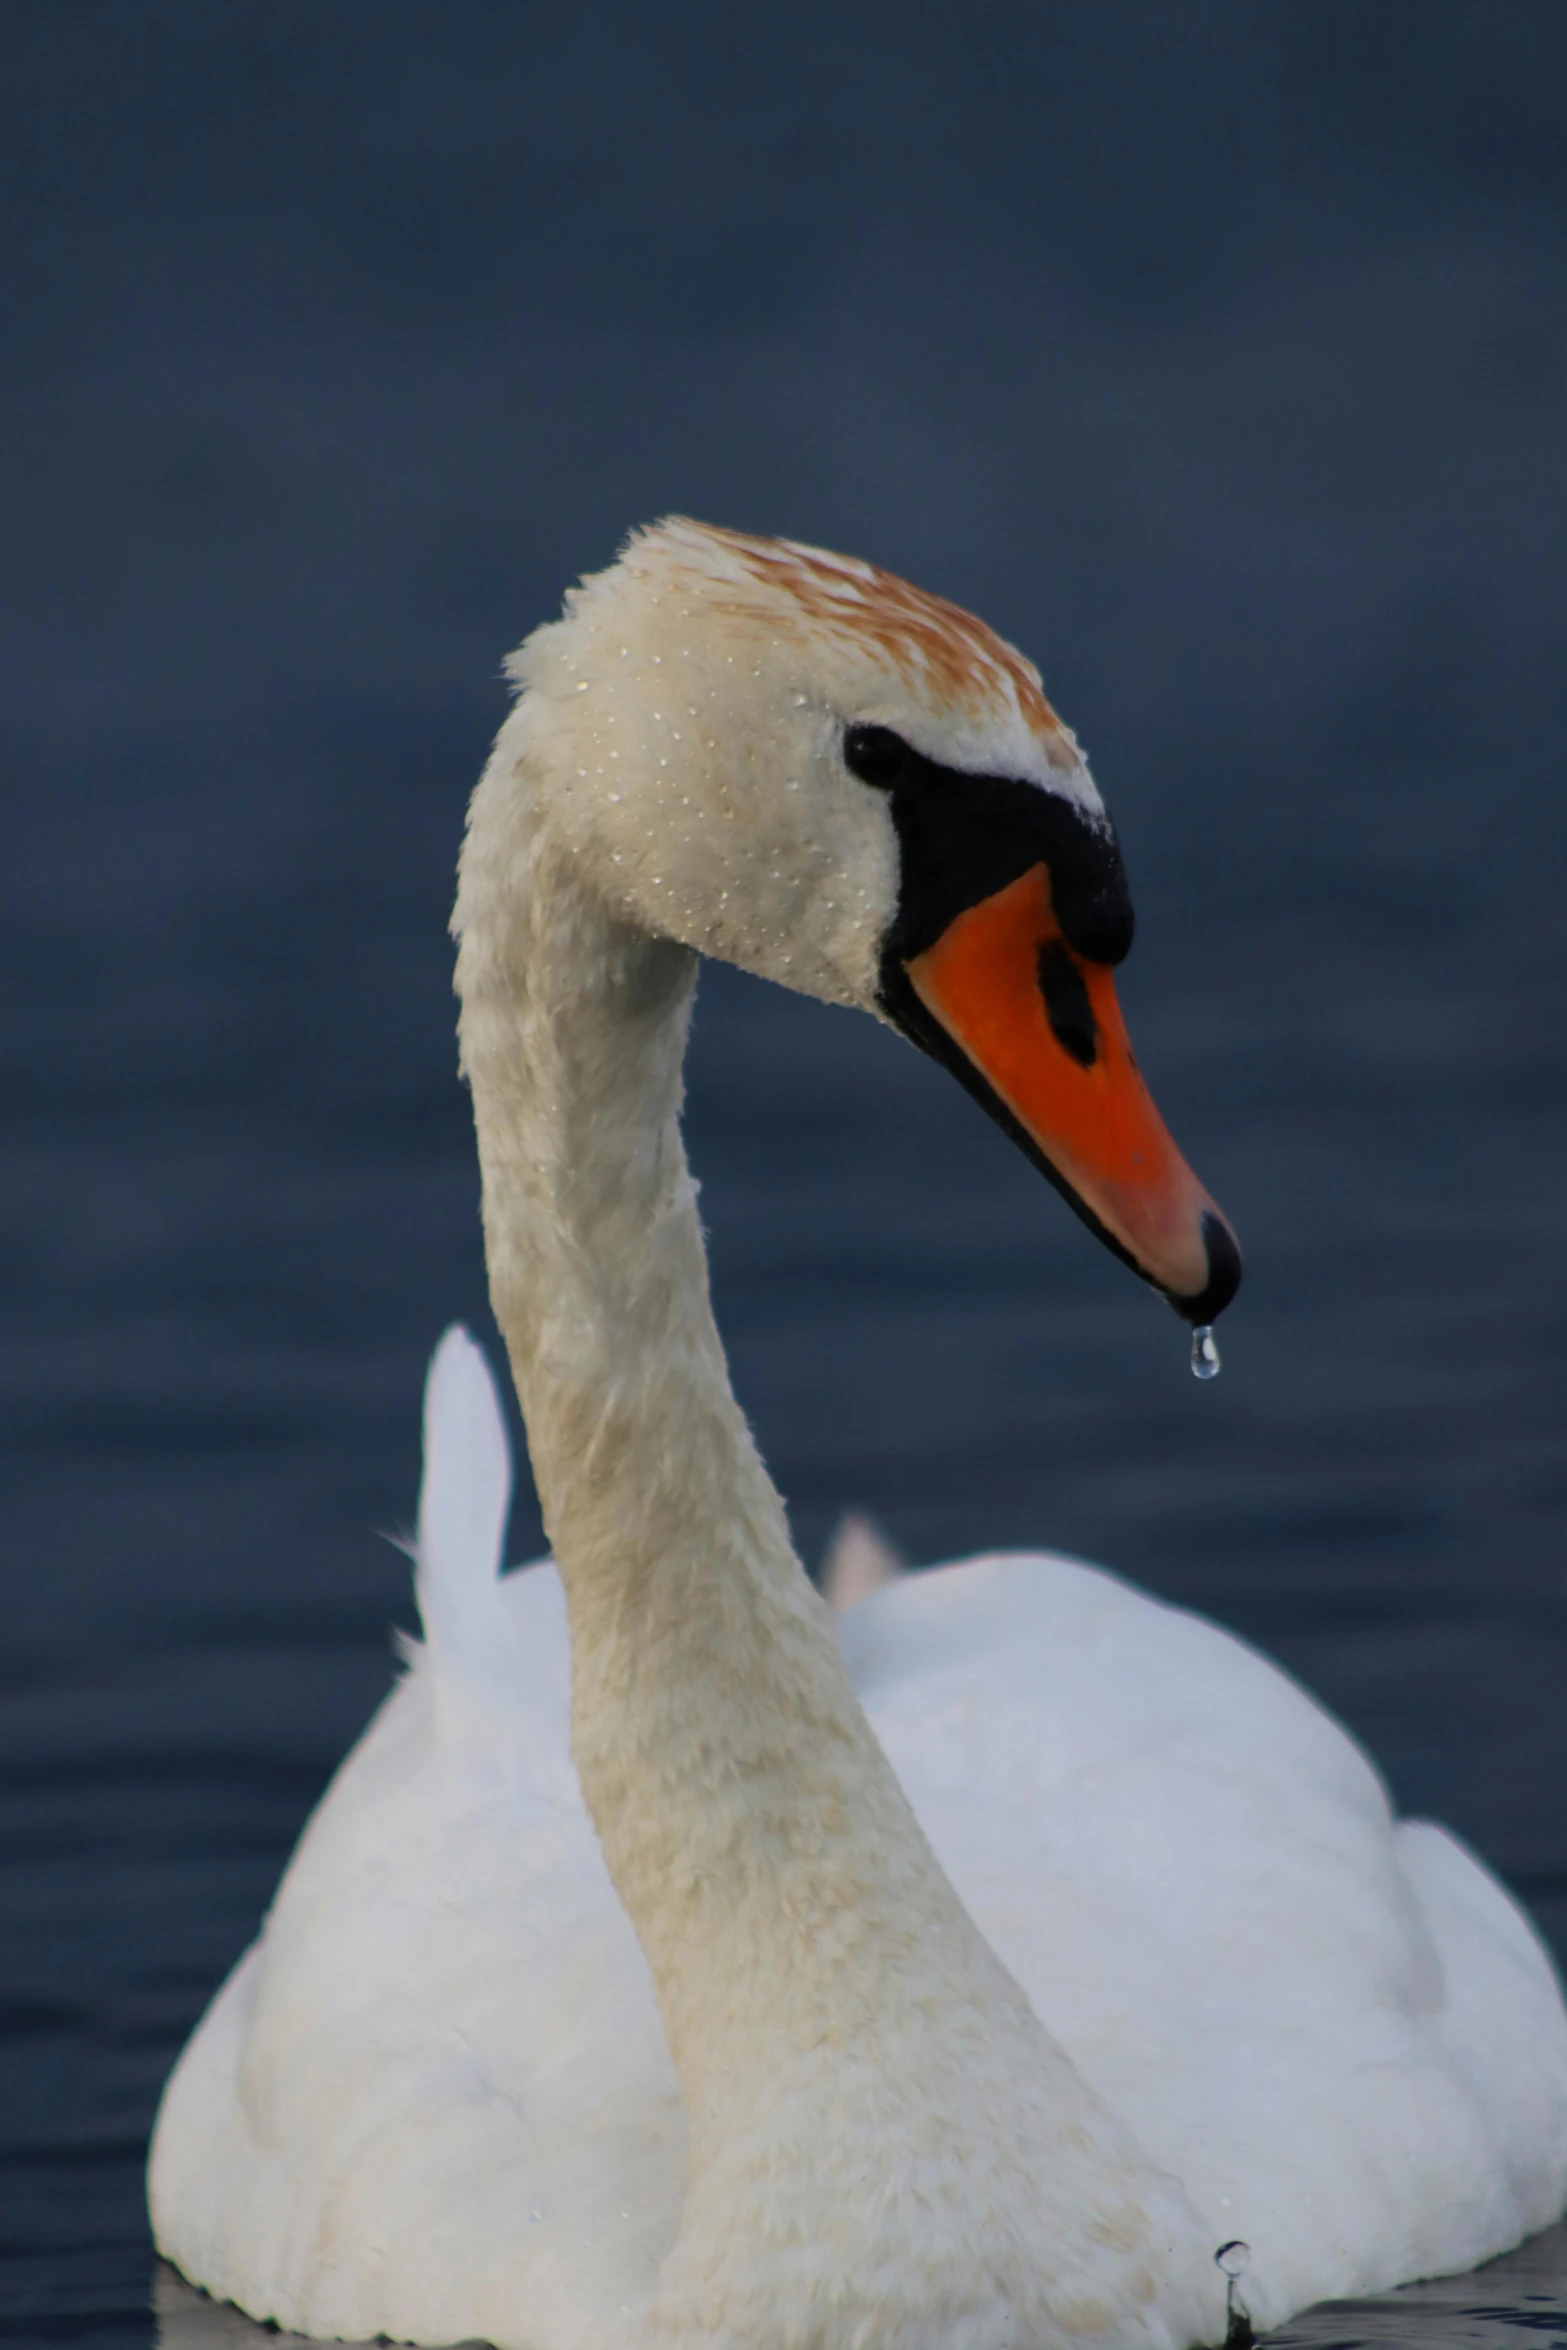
(1216, 354)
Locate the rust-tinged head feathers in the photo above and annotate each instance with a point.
(961, 691)
(956, 658)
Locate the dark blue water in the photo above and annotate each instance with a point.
(1217, 355)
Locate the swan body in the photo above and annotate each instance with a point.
(670, 1964)
(1335, 2028)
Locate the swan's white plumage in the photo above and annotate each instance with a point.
(464, 1499)
(857, 1561)
(423, 2102)
(643, 2012)
(435, 2100)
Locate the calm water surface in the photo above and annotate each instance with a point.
(1237, 401)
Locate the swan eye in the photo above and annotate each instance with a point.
(876, 755)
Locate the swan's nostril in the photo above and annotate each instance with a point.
(1070, 1013)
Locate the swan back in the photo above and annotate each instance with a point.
(465, 1494)
(496, 1681)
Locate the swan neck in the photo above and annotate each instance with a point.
(761, 1845)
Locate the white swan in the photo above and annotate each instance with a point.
(764, 2062)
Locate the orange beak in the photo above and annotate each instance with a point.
(1040, 1026)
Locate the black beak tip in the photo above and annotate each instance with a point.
(1224, 1274)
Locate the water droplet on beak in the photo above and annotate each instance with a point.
(1205, 1355)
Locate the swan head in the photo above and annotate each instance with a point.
(800, 764)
